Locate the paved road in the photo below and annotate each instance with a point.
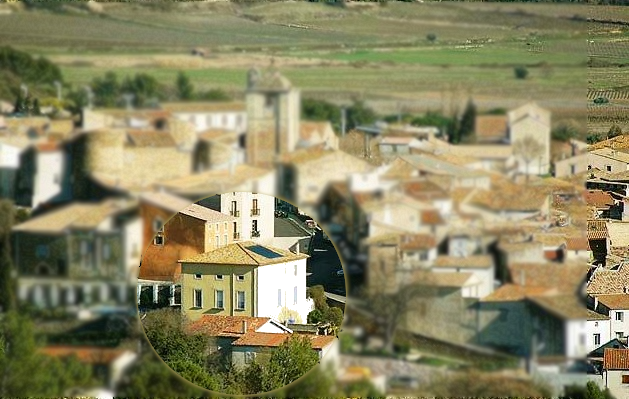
(323, 265)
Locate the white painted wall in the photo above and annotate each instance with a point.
(244, 204)
(282, 277)
(132, 236)
(602, 327)
(485, 277)
(9, 156)
(48, 177)
(576, 333)
(231, 120)
(619, 325)
(613, 381)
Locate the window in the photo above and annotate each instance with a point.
(296, 268)
(158, 240)
(254, 225)
(85, 249)
(240, 300)
(234, 209)
(225, 239)
(619, 334)
(249, 357)
(423, 255)
(279, 297)
(608, 167)
(218, 241)
(42, 251)
(106, 251)
(295, 295)
(269, 101)
(619, 316)
(197, 276)
(225, 226)
(198, 298)
(219, 276)
(218, 301)
(597, 339)
(625, 379)
(241, 277)
(255, 211)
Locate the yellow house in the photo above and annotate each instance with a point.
(246, 279)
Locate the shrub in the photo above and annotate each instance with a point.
(521, 72)
(431, 37)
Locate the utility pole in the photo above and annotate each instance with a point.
(343, 120)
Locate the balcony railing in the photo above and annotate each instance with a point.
(255, 212)
(236, 236)
(255, 233)
(234, 212)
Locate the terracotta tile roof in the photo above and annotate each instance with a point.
(596, 229)
(72, 216)
(471, 262)
(225, 326)
(598, 198)
(245, 253)
(321, 341)
(592, 315)
(204, 107)
(432, 217)
(618, 142)
(550, 240)
(275, 340)
(424, 190)
(566, 277)
(609, 281)
(513, 293)
(577, 244)
(616, 359)
(417, 241)
(615, 301)
(207, 214)
(150, 138)
(565, 306)
(165, 200)
(85, 354)
(510, 198)
(213, 181)
(491, 126)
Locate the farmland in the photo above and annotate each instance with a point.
(379, 53)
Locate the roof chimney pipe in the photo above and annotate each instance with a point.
(244, 326)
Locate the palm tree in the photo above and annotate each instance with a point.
(528, 149)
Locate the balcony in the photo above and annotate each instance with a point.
(236, 236)
(255, 233)
(255, 212)
(234, 213)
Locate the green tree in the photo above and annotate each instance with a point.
(521, 72)
(194, 373)
(614, 131)
(317, 293)
(589, 391)
(317, 383)
(467, 124)
(185, 89)
(315, 316)
(252, 377)
(143, 86)
(320, 110)
(215, 95)
(359, 114)
(149, 377)
(362, 389)
(334, 316)
(431, 37)
(7, 269)
(564, 133)
(292, 359)
(593, 138)
(36, 109)
(106, 90)
(19, 106)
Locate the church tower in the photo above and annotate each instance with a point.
(273, 114)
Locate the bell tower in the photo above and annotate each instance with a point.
(273, 113)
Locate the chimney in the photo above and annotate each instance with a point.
(244, 326)
(297, 248)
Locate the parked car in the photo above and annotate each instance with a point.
(601, 100)
(340, 272)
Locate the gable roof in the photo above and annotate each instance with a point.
(164, 200)
(566, 277)
(618, 142)
(246, 253)
(206, 214)
(434, 165)
(442, 279)
(596, 229)
(605, 281)
(513, 292)
(566, 307)
(616, 359)
(614, 301)
(598, 198)
(577, 244)
(509, 198)
(491, 126)
(618, 233)
(72, 216)
(468, 262)
(592, 315)
(275, 340)
(616, 155)
(85, 354)
(150, 138)
(225, 326)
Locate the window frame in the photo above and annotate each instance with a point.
(199, 292)
(222, 301)
(244, 300)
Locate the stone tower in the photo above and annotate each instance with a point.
(273, 113)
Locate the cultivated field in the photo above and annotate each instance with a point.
(380, 53)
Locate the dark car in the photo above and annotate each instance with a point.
(601, 100)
